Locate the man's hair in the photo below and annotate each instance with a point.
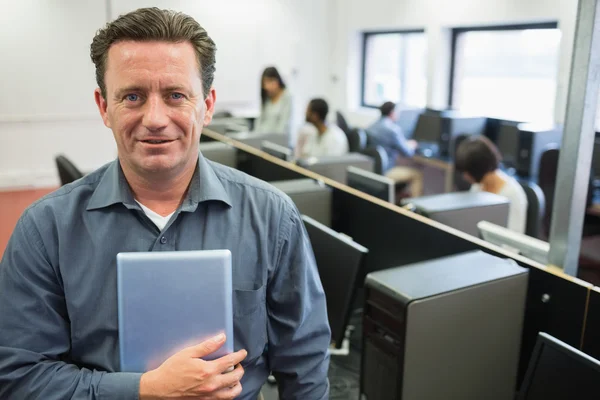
(477, 156)
(387, 108)
(154, 24)
(319, 107)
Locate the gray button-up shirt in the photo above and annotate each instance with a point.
(58, 297)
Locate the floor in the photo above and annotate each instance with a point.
(12, 205)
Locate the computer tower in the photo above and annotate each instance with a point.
(448, 328)
(312, 198)
(462, 210)
(532, 143)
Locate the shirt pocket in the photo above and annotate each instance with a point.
(249, 321)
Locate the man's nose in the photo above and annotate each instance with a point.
(155, 115)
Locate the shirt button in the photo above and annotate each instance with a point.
(163, 240)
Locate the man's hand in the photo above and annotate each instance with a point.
(185, 375)
(413, 144)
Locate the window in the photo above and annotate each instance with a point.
(394, 68)
(507, 72)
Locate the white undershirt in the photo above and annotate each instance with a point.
(158, 219)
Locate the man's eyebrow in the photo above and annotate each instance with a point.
(128, 89)
(175, 88)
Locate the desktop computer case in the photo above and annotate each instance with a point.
(443, 329)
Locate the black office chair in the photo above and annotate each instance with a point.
(548, 168)
(379, 156)
(357, 140)
(342, 123)
(67, 171)
(536, 208)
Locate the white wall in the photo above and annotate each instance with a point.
(437, 17)
(47, 78)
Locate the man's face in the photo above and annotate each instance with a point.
(154, 105)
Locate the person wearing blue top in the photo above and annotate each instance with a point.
(58, 277)
(386, 133)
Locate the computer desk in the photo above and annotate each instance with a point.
(594, 210)
(438, 173)
(556, 303)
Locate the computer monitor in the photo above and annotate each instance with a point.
(340, 263)
(281, 152)
(507, 141)
(428, 128)
(371, 183)
(558, 371)
(527, 246)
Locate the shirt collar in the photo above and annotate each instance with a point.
(113, 188)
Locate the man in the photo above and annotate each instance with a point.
(318, 138)
(387, 134)
(58, 324)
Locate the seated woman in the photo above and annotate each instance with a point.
(276, 104)
(477, 159)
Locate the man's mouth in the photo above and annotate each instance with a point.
(156, 141)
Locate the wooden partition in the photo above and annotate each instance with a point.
(556, 303)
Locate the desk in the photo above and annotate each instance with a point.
(438, 174)
(594, 210)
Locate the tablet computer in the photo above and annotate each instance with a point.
(171, 300)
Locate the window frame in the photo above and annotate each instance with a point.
(508, 27)
(365, 39)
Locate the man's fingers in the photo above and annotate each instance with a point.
(224, 363)
(230, 379)
(229, 393)
(207, 347)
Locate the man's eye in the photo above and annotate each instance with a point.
(176, 96)
(132, 97)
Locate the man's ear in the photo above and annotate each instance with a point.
(102, 106)
(209, 102)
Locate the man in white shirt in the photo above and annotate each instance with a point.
(318, 138)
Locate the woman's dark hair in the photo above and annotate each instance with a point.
(477, 156)
(269, 72)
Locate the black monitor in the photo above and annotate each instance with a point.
(428, 128)
(340, 263)
(507, 142)
(370, 183)
(558, 371)
(281, 152)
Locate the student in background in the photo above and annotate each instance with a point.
(276, 104)
(388, 134)
(318, 138)
(477, 159)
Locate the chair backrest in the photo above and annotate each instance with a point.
(357, 140)
(67, 171)
(536, 207)
(342, 123)
(379, 156)
(547, 182)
